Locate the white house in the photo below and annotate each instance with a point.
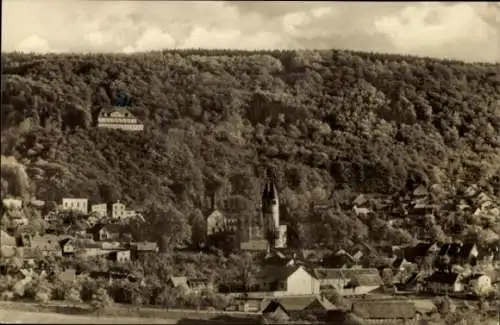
(75, 204)
(118, 118)
(100, 210)
(479, 284)
(288, 281)
(11, 203)
(118, 210)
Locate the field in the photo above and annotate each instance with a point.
(16, 316)
(60, 312)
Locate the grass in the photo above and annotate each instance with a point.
(82, 313)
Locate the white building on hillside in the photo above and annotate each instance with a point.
(75, 204)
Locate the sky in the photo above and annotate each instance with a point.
(468, 31)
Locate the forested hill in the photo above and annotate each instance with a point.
(332, 124)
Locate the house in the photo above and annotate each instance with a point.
(68, 246)
(362, 281)
(217, 222)
(118, 210)
(46, 244)
(401, 264)
(419, 252)
(302, 306)
(287, 280)
(478, 284)
(12, 203)
(444, 283)
(103, 232)
(251, 304)
(361, 211)
(361, 201)
(385, 312)
(119, 256)
(197, 285)
(420, 192)
(7, 240)
(254, 245)
(67, 276)
(75, 204)
(52, 216)
(99, 210)
(118, 118)
(141, 249)
(348, 281)
(89, 248)
(274, 311)
(180, 282)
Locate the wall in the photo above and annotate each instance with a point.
(125, 127)
(301, 282)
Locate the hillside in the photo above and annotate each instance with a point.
(332, 124)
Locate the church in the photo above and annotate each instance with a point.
(267, 233)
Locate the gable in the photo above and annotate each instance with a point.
(299, 273)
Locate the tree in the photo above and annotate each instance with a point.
(198, 228)
(100, 300)
(73, 295)
(42, 292)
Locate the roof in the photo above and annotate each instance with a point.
(452, 249)
(68, 275)
(338, 260)
(420, 191)
(146, 246)
(298, 303)
(115, 109)
(443, 277)
(273, 306)
(365, 277)
(179, 280)
(273, 273)
(360, 200)
(254, 245)
(384, 309)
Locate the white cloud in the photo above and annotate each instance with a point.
(34, 43)
(454, 30)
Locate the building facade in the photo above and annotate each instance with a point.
(72, 204)
(120, 119)
(100, 210)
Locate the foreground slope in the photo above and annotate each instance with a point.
(331, 123)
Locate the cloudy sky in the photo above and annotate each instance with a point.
(465, 31)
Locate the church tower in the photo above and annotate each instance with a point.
(271, 211)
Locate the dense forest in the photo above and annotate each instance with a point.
(331, 124)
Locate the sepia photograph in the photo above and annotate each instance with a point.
(250, 162)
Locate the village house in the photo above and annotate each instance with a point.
(68, 246)
(119, 256)
(99, 210)
(141, 249)
(90, 249)
(348, 281)
(385, 312)
(287, 280)
(118, 118)
(12, 203)
(419, 252)
(443, 283)
(478, 284)
(46, 244)
(217, 222)
(180, 282)
(102, 232)
(75, 204)
(275, 312)
(299, 307)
